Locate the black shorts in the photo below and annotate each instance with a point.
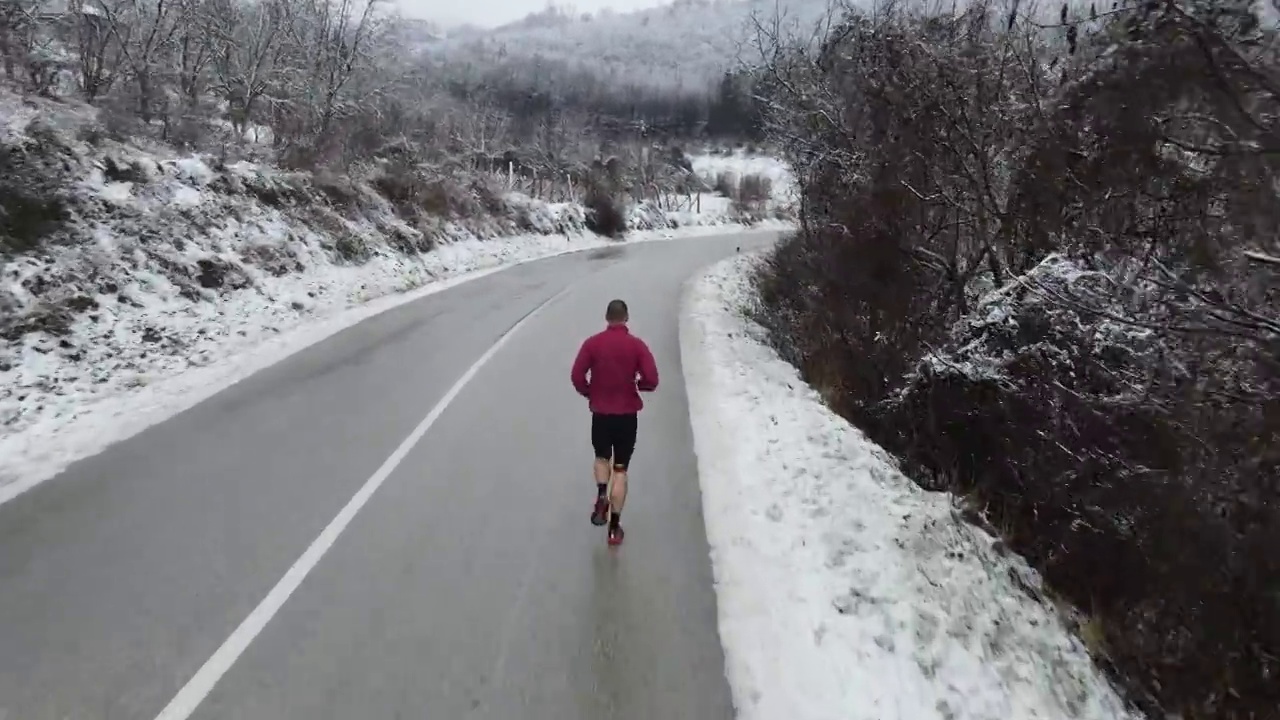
(614, 436)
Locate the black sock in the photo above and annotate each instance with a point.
(601, 488)
(613, 520)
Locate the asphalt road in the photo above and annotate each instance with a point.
(471, 585)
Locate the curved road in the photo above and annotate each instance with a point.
(470, 585)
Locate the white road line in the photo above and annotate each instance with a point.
(198, 687)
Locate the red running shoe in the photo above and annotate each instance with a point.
(600, 514)
(615, 535)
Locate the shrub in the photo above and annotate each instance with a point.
(605, 214)
(25, 220)
(352, 248)
(278, 260)
(412, 195)
(489, 196)
(338, 189)
(751, 199)
(92, 134)
(755, 189)
(400, 186)
(34, 174)
(119, 122)
(726, 184)
(116, 170)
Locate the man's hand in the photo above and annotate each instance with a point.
(579, 374)
(648, 381)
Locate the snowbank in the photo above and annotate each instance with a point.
(844, 590)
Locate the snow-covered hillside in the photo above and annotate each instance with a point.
(685, 44)
(128, 269)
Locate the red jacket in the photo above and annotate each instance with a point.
(614, 357)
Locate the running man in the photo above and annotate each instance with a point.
(620, 367)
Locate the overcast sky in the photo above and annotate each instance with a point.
(489, 13)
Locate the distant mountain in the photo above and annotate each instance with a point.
(416, 34)
(552, 16)
(686, 44)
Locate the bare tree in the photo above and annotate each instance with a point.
(145, 30)
(194, 48)
(328, 45)
(248, 54)
(98, 50)
(17, 21)
(484, 130)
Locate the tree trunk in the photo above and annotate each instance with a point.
(144, 96)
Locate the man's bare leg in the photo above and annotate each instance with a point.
(600, 514)
(617, 498)
(618, 495)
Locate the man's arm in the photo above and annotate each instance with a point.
(648, 369)
(578, 375)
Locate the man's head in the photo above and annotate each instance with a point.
(616, 312)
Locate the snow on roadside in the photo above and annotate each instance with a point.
(844, 590)
(124, 383)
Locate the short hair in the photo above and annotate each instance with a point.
(616, 312)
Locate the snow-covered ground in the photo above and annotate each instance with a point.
(844, 590)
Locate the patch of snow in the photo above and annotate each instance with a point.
(253, 133)
(118, 193)
(193, 169)
(186, 196)
(845, 590)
